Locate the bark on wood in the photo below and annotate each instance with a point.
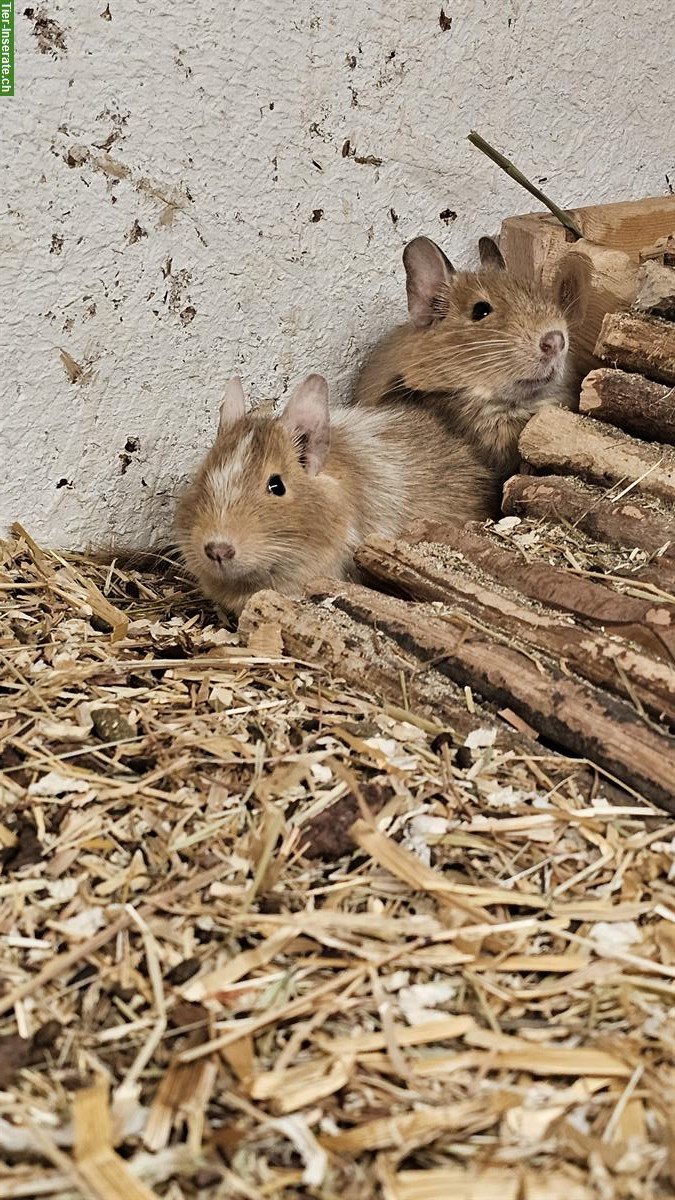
(656, 289)
(636, 404)
(609, 662)
(566, 443)
(368, 659)
(638, 343)
(566, 711)
(628, 522)
(650, 624)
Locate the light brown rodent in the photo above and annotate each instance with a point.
(484, 350)
(281, 500)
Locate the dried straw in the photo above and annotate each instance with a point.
(208, 989)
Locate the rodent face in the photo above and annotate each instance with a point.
(503, 341)
(237, 520)
(498, 338)
(253, 516)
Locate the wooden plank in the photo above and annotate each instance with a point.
(567, 712)
(568, 443)
(636, 404)
(533, 243)
(605, 661)
(639, 343)
(628, 522)
(601, 281)
(602, 265)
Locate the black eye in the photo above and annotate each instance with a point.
(276, 486)
(480, 310)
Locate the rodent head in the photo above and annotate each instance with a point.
(258, 513)
(494, 337)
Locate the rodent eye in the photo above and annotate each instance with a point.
(480, 310)
(276, 486)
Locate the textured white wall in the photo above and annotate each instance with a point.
(196, 189)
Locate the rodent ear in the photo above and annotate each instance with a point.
(233, 406)
(490, 254)
(307, 419)
(428, 273)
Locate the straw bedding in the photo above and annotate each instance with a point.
(263, 936)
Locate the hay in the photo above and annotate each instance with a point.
(208, 987)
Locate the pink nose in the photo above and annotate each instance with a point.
(219, 552)
(552, 343)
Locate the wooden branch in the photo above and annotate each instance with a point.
(629, 522)
(349, 650)
(566, 443)
(632, 402)
(645, 622)
(608, 662)
(656, 289)
(639, 343)
(566, 711)
(515, 173)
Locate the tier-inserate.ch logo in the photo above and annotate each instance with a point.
(6, 47)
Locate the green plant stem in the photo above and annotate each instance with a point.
(508, 166)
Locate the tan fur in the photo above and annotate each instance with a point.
(486, 378)
(383, 473)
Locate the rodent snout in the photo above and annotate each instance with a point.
(552, 343)
(219, 552)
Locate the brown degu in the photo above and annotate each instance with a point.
(484, 350)
(281, 500)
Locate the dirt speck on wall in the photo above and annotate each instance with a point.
(48, 34)
(235, 200)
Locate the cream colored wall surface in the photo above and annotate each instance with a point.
(192, 190)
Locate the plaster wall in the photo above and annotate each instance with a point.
(192, 190)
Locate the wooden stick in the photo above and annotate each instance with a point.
(568, 444)
(644, 621)
(567, 712)
(639, 343)
(514, 173)
(611, 663)
(632, 402)
(627, 522)
(347, 646)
